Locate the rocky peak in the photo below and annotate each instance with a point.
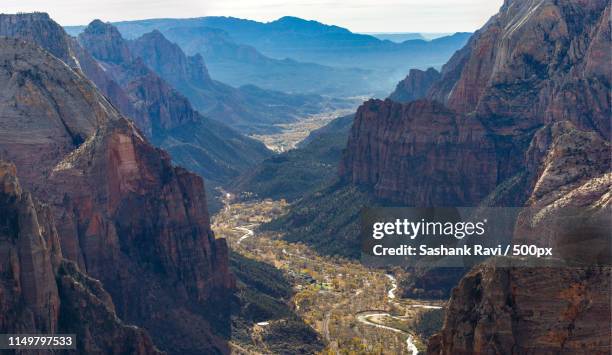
(415, 86)
(168, 60)
(105, 43)
(39, 28)
(533, 63)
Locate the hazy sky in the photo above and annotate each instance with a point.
(356, 15)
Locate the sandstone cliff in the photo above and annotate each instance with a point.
(40, 292)
(536, 62)
(415, 86)
(125, 215)
(519, 117)
(557, 310)
(420, 154)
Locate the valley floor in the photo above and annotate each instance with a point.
(292, 133)
(353, 308)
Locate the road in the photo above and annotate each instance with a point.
(391, 293)
(247, 233)
(365, 317)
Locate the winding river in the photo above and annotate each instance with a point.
(365, 317)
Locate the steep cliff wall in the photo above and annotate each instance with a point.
(125, 215)
(40, 292)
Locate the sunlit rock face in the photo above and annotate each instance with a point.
(535, 62)
(546, 310)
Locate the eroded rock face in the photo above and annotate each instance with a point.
(527, 311)
(535, 62)
(28, 255)
(523, 109)
(415, 86)
(125, 215)
(420, 154)
(42, 293)
(39, 28)
(546, 310)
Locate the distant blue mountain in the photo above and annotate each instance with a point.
(256, 51)
(398, 37)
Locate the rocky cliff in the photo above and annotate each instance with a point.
(124, 214)
(43, 293)
(206, 146)
(559, 310)
(41, 29)
(420, 154)
(534, 63)
(519, 117)
(415, 86)
(538, 66)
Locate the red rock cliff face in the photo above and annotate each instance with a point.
(537, 61)
(42, 293)
(420, 153)
(565, 310)
(126, 216)
(28, 253)
(528, 96)
(415, 86)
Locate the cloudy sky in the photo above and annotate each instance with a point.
(357, 15)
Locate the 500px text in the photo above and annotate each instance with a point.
(465, 250)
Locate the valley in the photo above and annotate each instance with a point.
(293, 133)
(354, 309)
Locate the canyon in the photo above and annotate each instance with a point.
(107, 139)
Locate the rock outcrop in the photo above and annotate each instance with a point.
(40, 292)
(124, 214)
(420, 154)
(498, 310)
(535, 62)
(415, 86)
(557, 310)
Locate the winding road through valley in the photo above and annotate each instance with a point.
(238, 219)
(365, 317)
